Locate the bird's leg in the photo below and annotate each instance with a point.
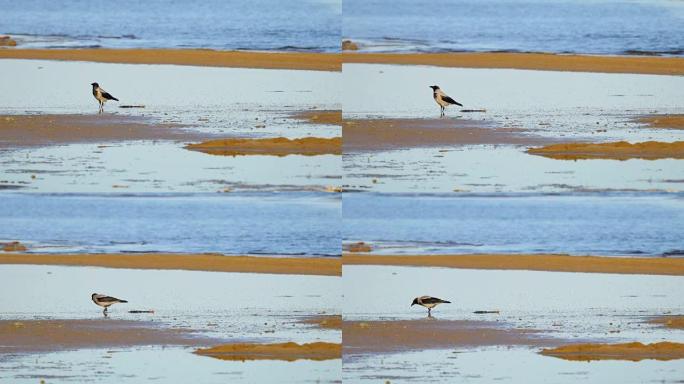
(104, 312)
(429, 312)
(442, 111)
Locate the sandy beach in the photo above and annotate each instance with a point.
(190, 262)
(621, 150)
(291, 351)
(279, 146)
(669, 321)
(536, 61)
(325, 321)
(626, 351)
(329, 117)
(540, 262)
(194, 57)
(28, 336)
(333, 62)
(362, 135)
(41, 130)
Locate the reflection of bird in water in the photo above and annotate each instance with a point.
(442, 99)
(105, 301)
(428, 302)
(101, 95)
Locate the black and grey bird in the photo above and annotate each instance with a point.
(442, 99)
(105, 301)
(101, 95)
(428, 302)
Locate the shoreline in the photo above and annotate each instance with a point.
(318, 61)
(329, 62)
(187, 262)
(531, 61)
(620, 150)
(530, 262)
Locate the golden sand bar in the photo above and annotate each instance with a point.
(333, 61)
(621, 150)
(430, 333)
(664, 121)
(40, 130)
(196, 57)
(279, 146)
(283, 351)
(538, 61)
(191, 262)
(329, 117)
(22, 336)
(627, 351)
(325, 321)
(672, 321)
(541, 262)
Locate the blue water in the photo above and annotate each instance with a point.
(254, 223)
(578, 26)
(306, 25)
(597, 224)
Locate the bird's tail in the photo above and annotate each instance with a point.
(114, 98)
(123, 301)
(447, 302)
(459, 104)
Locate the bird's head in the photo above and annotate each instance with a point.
(93, 295)
(415, 301)
(95, 84)
(434, 87)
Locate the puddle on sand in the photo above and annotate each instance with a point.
(613, 224)
(235, 102)
(295, 223)
(580, 106)
(204, 301)
(563, 305)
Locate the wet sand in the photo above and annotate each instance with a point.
(536, 61)
(663, 121)
(363, 135)
(195, 57)
(325, 321)
(190, 262)
(541, 262)
(318, 351)
(626, 351)
(671, 321)
(279, 146)
(364, 337)
(621, 150)
(328, 117)
(42, 130)
(25, 336)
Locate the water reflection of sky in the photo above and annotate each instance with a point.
(577, 306)
(226, 101)
(561, 105)
(232, 306)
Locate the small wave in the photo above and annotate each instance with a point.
(639, 52)
(673, 252)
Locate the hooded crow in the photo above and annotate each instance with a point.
(101, 95)
(442, 99)
(105, 301)
(428, 302)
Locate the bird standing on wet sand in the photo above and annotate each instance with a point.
(442, 99)
(105, 301)
(101, 95)
(428, 302)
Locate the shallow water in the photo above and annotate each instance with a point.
(229, 102)
(577, 26)
(303, 25)
(297, 223)
(580, 106)
(267, 311)
(596, 224)
(578, 306)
